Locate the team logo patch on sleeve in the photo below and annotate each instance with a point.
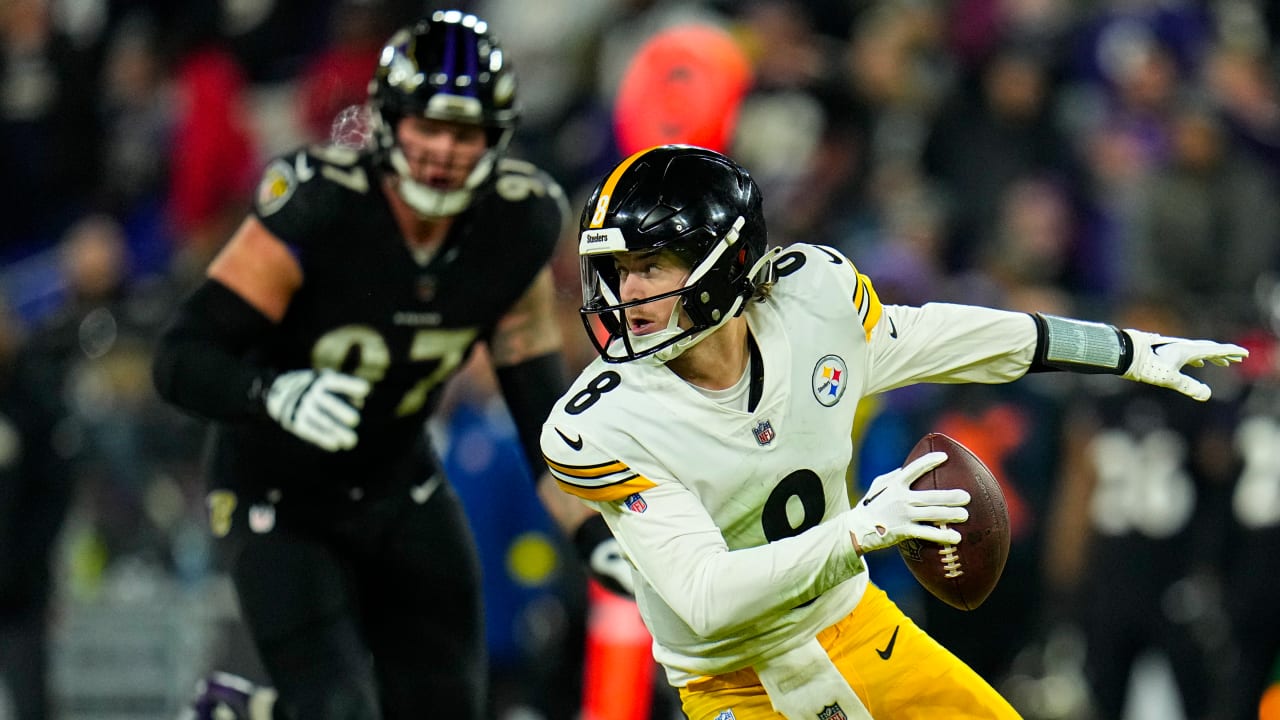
(276, 187)
(829, 380)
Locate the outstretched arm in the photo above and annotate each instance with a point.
(1079, 346)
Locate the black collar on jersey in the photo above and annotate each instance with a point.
(757, 373)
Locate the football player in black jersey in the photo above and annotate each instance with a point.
(319, 344)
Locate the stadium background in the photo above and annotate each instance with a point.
(1109, 159)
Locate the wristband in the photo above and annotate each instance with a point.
(1066, 344)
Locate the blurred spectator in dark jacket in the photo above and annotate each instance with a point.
(96, 351)
(996, 130)
(48, 140)
(1210, 225)
(34, 496)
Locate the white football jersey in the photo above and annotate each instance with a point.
(736, 522)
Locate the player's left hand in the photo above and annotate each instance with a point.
(1158, 360)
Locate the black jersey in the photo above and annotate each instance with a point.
(368, 307)
(1154, 489)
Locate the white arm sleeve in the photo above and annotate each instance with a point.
(946, 343)
(680, 553)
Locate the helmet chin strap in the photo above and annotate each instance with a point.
(640, 343)
(673, 329)
(430, 202)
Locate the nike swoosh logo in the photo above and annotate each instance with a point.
(888, 651)
(1155, 349)
(575, 444)
(304, 171)
(893, 329)
(867, 500)
(832, 257)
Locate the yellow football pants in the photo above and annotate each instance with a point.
(898, 672)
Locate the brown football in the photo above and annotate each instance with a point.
(961, 575)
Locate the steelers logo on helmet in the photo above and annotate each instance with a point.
(700, 206)
(829, 380)
(450, 68)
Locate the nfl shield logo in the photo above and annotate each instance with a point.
(764, 432)
(832, 712)
(635, 503)
(726, 715)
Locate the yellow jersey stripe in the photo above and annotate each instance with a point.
(587, 471)
(602, 204)
(609, 493)
(858, 293)
(866, 301)
(873, 310)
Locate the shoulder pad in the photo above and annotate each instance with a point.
(317, 168)
(841, 276)
(518, 181)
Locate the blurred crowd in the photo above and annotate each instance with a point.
(1116, 160)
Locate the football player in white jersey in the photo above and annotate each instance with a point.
(713, 436)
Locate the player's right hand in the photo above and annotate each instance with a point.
(318, 406)
(891, 511)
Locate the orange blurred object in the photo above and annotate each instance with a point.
(684, 85)
(618, 666)
(1269, 708)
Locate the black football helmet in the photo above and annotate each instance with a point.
(447, 67)
(694, 202)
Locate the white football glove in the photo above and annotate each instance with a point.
(891, 511)
(1158, 360)
(319, 407)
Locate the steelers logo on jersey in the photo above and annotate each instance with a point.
(829, 380)
(276, 187)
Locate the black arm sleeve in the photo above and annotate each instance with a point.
(531, 388)
(201, 364)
